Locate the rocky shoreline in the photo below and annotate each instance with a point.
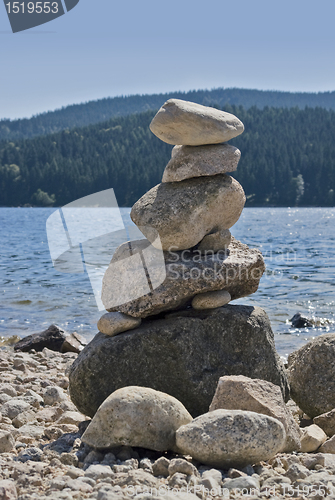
(43, 456)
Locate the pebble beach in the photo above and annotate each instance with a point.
(42, 455)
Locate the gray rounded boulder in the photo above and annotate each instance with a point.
(137, 416)
(311, 372)
(231, 438)
(183, 355)
(184, 212)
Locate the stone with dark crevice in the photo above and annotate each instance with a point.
(237, 270)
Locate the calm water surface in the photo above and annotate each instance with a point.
(297, 244)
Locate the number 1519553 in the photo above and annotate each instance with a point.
(32, 7)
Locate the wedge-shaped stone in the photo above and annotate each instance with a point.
(188, 273)
(199, 161)
(188, 123)
(312, 438)
(259, 396)
(183, 355)
(184, 212)
(137, 416)
(231, 438)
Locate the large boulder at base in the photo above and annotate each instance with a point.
(237, 270)
(184, 212)
(259, 396)
(231, 438)
(137, 416)
(53, 338)
(183, 355)
(188, 123)
(311, 372)
(199, 161)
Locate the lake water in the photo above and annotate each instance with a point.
(297, 244)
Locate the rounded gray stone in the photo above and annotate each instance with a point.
(259, 396)
(184, 212)
(13, 407)
(54, 394)
(199, 161)
(137, 416)
(211, 300)
(113, 323)
(188, 123)
(231, 438)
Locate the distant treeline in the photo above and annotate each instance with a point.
(81, 115)
(288, 159)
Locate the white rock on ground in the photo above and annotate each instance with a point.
(260, 396)
(113, 323)
(8, 490)
(188, 123)
(7, 442)
(137, 416)
(198, 161)
(226, 438)
(312, 438)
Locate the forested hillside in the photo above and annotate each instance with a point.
(93, 112)
(288, 159)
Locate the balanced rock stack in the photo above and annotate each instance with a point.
(182, 336)
(191, 211)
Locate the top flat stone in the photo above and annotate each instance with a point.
(187, 123)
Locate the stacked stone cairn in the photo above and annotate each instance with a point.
(157, 360)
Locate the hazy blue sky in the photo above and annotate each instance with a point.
(106, 48)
